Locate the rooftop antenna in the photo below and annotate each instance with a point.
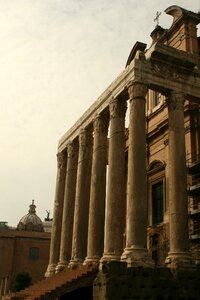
(157, 17)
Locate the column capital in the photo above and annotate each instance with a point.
(100, 123)
(61, 159)
(117, 108)
(137, 90)
(71, 148)
(84, 137)
(175, 100)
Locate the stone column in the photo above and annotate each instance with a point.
(57, 215)
(115, 204)
(135, 252)
(178, 202)
(98, 190)
(68, 209)
(80, 229)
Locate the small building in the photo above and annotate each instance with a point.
(23, 249)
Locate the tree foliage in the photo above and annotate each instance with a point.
(21, 281)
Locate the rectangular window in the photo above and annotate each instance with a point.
(157, 202)
(157, 98)
(33, 253)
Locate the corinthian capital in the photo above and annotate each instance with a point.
(71, 148)
(117, 108)
(61, 160)
(175, 100)
(85, 137)
(101, 123)
(137, 90)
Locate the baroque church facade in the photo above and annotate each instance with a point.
(128, 198)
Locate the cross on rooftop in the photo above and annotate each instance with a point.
(157, 17)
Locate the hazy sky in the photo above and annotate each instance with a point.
(56, 58)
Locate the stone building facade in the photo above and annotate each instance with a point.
(122, 194)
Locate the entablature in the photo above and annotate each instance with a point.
(161, 68)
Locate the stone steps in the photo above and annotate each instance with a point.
(44, 288)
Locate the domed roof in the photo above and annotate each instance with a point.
(30, 222)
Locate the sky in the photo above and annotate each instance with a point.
(56, 58)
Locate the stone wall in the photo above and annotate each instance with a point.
(116, 282)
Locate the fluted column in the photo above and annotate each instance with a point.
(178, 203)
(80, 229)
(135, 252)
(98, 189)
(57, 215)
(68, 208)
(115, 204)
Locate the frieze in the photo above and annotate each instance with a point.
(117, 108)
(169, 72)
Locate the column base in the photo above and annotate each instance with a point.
(108, 257)
(91, 261)
(50, 270)
(137, 257)
(62, 265)
(180, 260)
(75, 263)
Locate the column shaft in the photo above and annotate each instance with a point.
(80, 229)
(97, 191)
(136, 229)
(68, 208)
(57, 215)
(115, 203)
(178, 202)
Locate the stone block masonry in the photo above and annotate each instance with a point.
(116, 282)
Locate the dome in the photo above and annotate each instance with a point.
(30, 222)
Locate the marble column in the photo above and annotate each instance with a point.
(98, 190)
(80, 228)
(57, 215)
(68, 208)
(135, 253)
(115, 204)
(178, 202)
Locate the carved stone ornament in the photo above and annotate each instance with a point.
(175, 100)
(101, 123)
(71, 148)
(117, 108)
(137, 90)
(85, 137)
(61, 159)
(169, 71)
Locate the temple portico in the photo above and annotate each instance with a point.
(98, 216)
